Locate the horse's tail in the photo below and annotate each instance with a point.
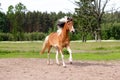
(44, 45)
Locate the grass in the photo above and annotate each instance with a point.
(81, 51)
(97, 56)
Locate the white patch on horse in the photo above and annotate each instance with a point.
(46, 39)
(72, 30)
(70, 52)
(64, 19)
(59, 31)
(57, 53)
(55, 45)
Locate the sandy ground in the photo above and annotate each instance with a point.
(37, 69)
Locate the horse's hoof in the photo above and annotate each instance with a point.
(58, 64)
(70, 62)
(48, 63)
(64, 66)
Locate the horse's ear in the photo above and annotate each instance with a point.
(61, 24)
(69, 19)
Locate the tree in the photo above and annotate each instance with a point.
(20, 7)
(94, 10)
(3, 23)
(98, 7)
(10, 16)
(16, 16)
(85, 19)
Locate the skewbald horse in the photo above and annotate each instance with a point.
(60, 39)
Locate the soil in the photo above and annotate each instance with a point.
(37, 69)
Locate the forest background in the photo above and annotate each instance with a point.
(90, 21)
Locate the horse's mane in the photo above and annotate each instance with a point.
(61, 23)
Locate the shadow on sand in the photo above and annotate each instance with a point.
(91, 63)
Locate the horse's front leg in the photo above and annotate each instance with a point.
(70, 52)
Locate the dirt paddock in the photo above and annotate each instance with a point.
(37, 69)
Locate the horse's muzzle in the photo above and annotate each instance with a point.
(72, 32)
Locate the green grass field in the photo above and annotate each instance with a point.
(81, 51)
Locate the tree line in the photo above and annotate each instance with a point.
(18, 21)
(20, 24)
(93, 20)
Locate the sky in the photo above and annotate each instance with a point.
(50, 5)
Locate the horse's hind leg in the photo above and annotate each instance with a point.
(57, 53)
(70, 52)
(62, 56)
(48, 61)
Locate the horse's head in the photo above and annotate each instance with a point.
(67, 23)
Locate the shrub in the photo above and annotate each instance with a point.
(65, 51)
(27, 37)
(111, 31)
(34, 36)
(37, 36)
(22, 36)
(6, 37)
(74, 36)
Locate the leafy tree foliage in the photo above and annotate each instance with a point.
(90, 13)
(3, 23)
(85, 18)
(20, 24)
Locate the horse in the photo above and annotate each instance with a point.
(60, 40)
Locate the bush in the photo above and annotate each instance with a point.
(27, 37)
(115, 31)
(6, 37)
(22, 36)
(111, 31)
(74, 36)
(65, 52)
(37, 36)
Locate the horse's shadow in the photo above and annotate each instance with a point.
(85, 64)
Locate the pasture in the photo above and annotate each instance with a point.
(81, 51)
(91, 61)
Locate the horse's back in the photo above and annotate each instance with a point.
(53, 36)
(53, 39)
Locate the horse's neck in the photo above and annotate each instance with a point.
(64, 34)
